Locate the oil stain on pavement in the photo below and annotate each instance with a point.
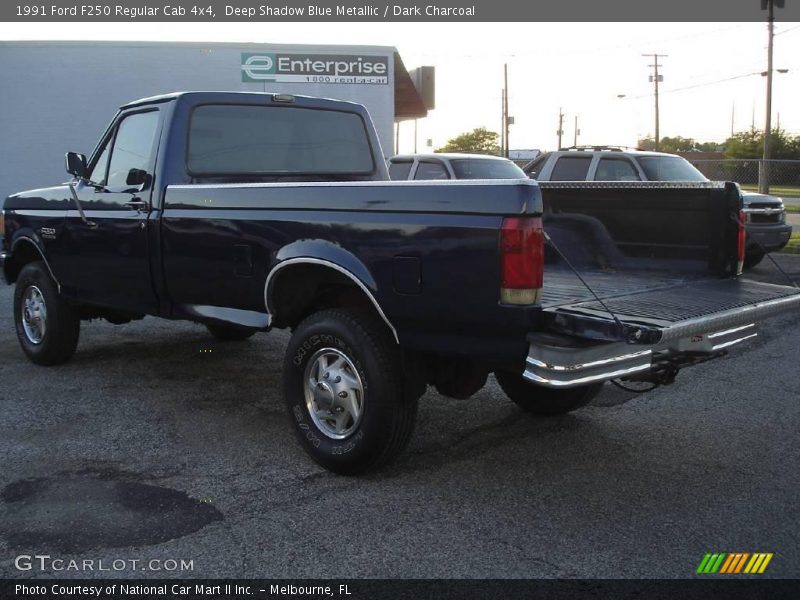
(73, 512)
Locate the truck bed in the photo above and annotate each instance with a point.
(661, 259)
(562, 288)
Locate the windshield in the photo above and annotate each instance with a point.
(669, 168)
(486, 168)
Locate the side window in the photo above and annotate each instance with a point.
(615, 169)
(398, 171)
(100, 167)
(133, 147)
(571, 168)
(535, 168)
(431, 170)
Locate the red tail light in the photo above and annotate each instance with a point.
(740, 246)
(522, 260)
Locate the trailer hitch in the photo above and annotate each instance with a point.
(666, 368)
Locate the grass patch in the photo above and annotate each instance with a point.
(792, 208)
(786, 191)
(793, 247)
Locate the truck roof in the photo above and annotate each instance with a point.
(200, 96)
(447, 156)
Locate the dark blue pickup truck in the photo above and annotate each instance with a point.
(246, 212)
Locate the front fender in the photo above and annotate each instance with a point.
(25, 244)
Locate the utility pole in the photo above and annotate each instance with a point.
(577, 133)
(763, 180)
(733, 113)
(560, 131)
(656, 78)
(505, 108)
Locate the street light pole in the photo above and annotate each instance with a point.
(503, 122)
(763, 181)
(505, 108)
(656, 78)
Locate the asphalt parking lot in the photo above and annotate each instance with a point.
(158, 443)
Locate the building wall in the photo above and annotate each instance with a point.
(60, 96)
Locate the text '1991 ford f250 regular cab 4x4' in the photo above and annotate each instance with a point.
(249, 211)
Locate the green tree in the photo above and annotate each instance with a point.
(708, 147)
(477, 141)
(750, 144)
(677, 144)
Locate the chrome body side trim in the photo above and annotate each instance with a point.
(357, 184)
(325, 263)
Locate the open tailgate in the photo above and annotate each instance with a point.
(682, 321)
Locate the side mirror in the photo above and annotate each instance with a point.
(137, 178)
(75, 164)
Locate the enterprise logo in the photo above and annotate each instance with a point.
(314, 68)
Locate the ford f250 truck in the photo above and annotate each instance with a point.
(247, 212)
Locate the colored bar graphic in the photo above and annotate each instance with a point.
(728, 564)
(703, 563)
(740, 564)
(765, 563)
(715, 566)
(731, 563)
(754, 563)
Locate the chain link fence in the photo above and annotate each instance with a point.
(784, 175)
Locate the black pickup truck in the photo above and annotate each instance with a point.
(246, 212)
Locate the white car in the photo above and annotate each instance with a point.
(452, 166)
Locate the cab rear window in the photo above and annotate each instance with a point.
(271, 140)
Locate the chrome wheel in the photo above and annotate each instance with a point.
(334, 393)
(34, 315)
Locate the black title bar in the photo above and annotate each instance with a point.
(387, 589)
(392, 11)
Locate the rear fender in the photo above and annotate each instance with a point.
(329, 255)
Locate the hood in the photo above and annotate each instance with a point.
(755, 198)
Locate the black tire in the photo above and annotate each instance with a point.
(544, 401)
(751, 259)
(387, 410)
(230, 333)
(57, 341)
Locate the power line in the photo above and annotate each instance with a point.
(788, 30)
(698, 85)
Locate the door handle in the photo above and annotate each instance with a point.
(137, 204)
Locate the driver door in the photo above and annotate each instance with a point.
(110, 261)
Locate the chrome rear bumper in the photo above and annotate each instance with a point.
(559, 367)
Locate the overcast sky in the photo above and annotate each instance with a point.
(711, 72)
